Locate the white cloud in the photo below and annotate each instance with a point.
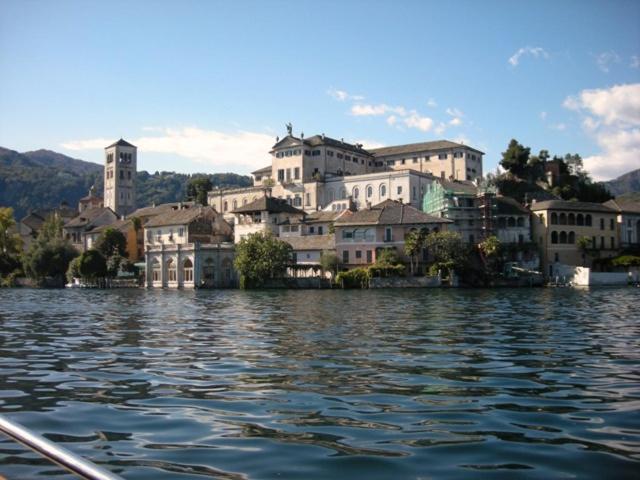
(431, 103)
(543, 115)
(462, 139)
(536, 52)
(210, 147)
(456, 122)
(558, 126)
(619, 104)
(604, 60)
(454, 112)
(612, 119)
(414, 120)
(363, 110)
(392, 120)
(439, 130)
(342, 96)
(635, 61)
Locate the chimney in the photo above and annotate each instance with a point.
(323, 136)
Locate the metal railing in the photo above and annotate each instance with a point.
(63, 457)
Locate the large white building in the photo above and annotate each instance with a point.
(311, 173)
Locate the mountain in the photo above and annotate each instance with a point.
(625, 184)
(46, 179)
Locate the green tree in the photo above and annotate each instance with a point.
(10, 242)
(447, 250)
(329, 262)
(93, 265)
(74, 269)
(260, 256)
(197, 189)
(584, 245)
(515, 159)
(414, 243)
(111, 242)
(490, 252)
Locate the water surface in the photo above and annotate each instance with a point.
(541, 383)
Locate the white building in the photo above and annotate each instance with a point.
(120, 168)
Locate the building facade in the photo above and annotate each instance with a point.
(628, 220)
(559, 226)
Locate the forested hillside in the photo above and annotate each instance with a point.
(43, 179)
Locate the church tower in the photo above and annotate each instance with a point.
(121, 159)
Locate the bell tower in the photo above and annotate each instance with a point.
(121, 159)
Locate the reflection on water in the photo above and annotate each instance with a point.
(326, 384)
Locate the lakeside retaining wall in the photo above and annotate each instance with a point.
(405, 282)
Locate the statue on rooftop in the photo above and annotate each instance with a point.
(289, 128)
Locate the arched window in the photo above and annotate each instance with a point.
(554, 237)
(580, 220)
(587, 220)
(563, 237)
(520, 222)
(225, 206)
(356, 193)
(563, 219)
(369, 191)
(511, 222)
(172, 271)
(383, 191)
(572, 238)
(235, 204)
(156, 270)
(554, 218)
(244, 201)
(187, 270)
(343, 193)
(571, 219)
(502, 222)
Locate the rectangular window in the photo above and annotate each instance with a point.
(399, 190)
(347, 157)
(339, 155)
(403, 161)
(415, 159)
(329, 153)
(613, 243)
(387, 234)
(280, 175)
(442, 156)
(121, 174)
(320, 230)
(315, 153)
(611, 224)
(345, 256)
(288, 174)
(296, 173)
(415, 193)
(307, 198)
(369, 256)
(181, 232)
(312, 229)
(347, 234)
(601, 242)
(358, 253)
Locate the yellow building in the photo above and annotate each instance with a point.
(558, 226)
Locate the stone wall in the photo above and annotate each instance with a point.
(404, 282)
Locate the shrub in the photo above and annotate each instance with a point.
(355, 278)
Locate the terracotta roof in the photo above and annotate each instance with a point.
(262, 170)
(418, 147)
(389, 212)
(323, 217)
(624, 207)
(87, 216)
(122, 225)
(509, 206)
(158, 209)
(91, 198)
(180, 216)
(459, 186)
(269, 204)
(311, 242)
(121, 143)
(570, 205)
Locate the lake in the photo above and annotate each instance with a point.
(384, 384)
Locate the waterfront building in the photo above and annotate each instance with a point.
(189, 247)
(360, 235)
(121, 160)
(442, 158)
(78, 229)
(264, 215)
(628, 220)
(512, 221)
(127, 227)
(558, 226)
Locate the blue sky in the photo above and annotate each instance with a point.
(207, 86)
